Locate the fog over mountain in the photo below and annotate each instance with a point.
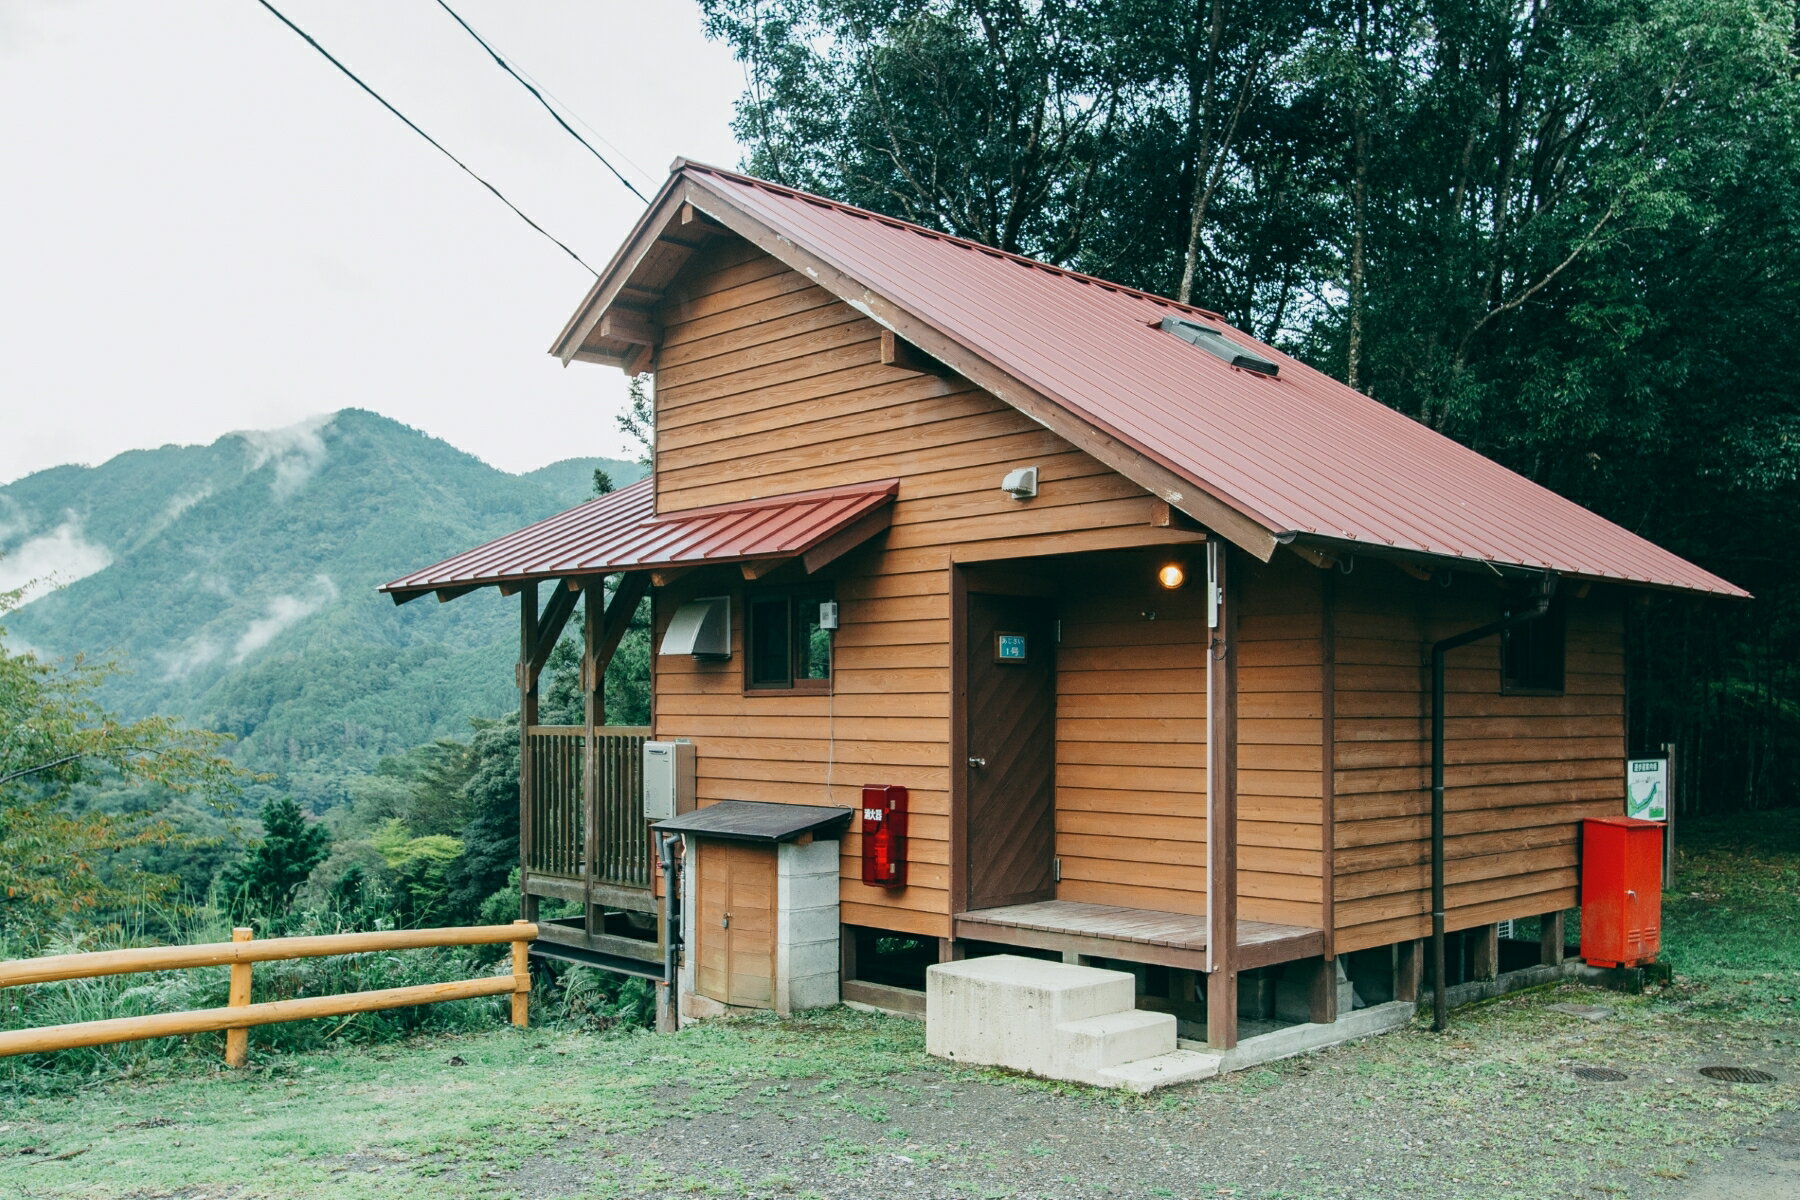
(234, 584)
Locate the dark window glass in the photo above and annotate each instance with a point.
(788, 649)
(1531, 655)
(771, 656)
(812, 645)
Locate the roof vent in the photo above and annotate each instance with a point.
(1215, 343)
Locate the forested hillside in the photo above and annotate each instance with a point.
(235, 583)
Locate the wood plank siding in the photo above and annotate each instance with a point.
(1523, 771)
(765, 384)
(1281, 758)
(1131, 734)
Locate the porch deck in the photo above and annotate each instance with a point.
(1134, 934)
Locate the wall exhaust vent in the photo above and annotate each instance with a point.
(1215, 343)
(700, 627)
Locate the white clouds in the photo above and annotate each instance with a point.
(282, 612)
(181, 503)
(279, 613)
(297, 451)
(183, 661)
(13, 522)
(51, 560)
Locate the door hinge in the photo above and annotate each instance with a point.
(1056, 870)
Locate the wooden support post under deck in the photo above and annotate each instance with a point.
(1221, 806)
(1487, 951)
(528, 715)
(1552, 934)
(1322, 992)
(1409, 970)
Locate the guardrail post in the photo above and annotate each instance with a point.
(237, 1041)
(521, 965)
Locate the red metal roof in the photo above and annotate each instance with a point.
(1300, 454)
(621, 532)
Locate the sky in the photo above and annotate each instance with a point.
(205, 227)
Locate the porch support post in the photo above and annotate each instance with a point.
(593, 714)
(1553, 932)
(526, 679)
(1487, 951)
(1221, 804)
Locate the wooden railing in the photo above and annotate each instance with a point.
(240, 1014)
(588, 825)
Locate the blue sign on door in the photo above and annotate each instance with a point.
(1009, 647)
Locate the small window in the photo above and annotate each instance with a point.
(1532, 654)
(789, 648)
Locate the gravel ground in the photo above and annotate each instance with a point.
(1491, 1110)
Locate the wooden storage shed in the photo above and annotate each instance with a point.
(1141, 613)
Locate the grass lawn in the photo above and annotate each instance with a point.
(842, 1104)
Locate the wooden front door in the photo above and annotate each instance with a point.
(734, 922)
(1010, 691)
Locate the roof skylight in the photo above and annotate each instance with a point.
(1215, 343)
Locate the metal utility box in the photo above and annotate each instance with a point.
(668, 779)
(1621, 891)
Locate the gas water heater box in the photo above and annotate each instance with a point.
(668, 779)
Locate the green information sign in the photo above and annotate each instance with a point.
(1647, 788)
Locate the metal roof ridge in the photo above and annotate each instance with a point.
(880, 487)
(684, 164)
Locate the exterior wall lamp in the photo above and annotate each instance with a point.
(1171, 575)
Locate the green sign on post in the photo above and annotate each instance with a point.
(1647, 788)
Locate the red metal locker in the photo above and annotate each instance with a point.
(1621, 891)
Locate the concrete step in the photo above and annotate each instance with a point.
(1107, 1041)
(1148, 1074)
(1003, 1010)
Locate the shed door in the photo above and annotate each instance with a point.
(735, 923)
(1010, 681)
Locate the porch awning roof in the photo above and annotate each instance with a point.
(621, 532)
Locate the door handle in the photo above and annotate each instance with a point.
(725, 921)
(977, 762)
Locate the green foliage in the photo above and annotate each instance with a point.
(490, 837)
(1562, 234)
(264, 882)
(58, 862)
(418, 864)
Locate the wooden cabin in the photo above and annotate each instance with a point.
(1139, 612)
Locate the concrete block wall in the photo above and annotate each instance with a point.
(808, 956)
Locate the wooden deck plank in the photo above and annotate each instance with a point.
(1110, 931)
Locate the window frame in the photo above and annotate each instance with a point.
(815, 592)
(1556, 619)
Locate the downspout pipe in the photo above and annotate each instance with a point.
(665, 851)
(1540, 605)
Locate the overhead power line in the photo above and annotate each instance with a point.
(356, 79)
(539, 97)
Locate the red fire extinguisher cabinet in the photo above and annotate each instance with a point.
(1621, 891)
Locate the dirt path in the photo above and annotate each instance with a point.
(1765, 1166)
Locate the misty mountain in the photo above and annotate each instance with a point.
(234, 584)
